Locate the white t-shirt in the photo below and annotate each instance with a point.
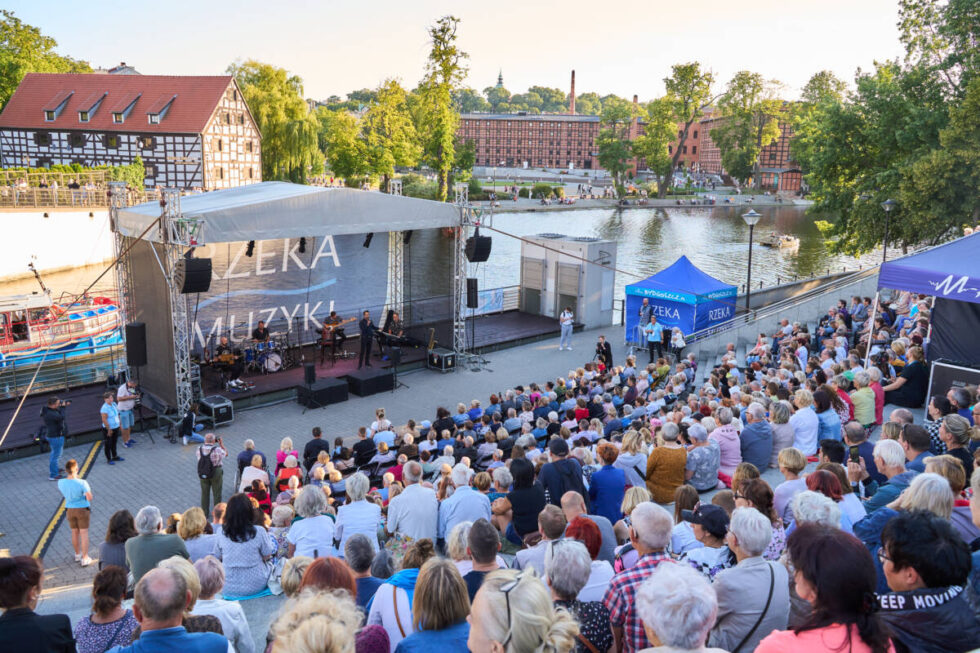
(566, 318)
(128, 404)
(313, 537)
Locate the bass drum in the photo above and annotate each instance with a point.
(270, 362)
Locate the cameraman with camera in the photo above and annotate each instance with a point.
(126, 398)
(55, 430)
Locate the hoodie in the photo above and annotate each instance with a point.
(731, 447)
(930, 620)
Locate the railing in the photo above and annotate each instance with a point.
(32, 197)
(62, 179)
(61, 370)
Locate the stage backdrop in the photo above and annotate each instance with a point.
(286, 288)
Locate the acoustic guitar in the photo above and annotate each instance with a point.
(328, 330)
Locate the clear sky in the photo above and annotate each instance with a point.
(339, 45)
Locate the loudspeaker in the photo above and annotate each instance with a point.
(477, 248)
(472, 298)
(323, 392)
(136, 344)
(193, 275)
(309, 373)
(368, 382)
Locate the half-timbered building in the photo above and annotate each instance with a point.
(190, 132)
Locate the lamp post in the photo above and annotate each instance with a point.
(888, 205)
(751, 218)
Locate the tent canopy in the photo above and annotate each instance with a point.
(681, 296)
(275, 209)
(950, 271)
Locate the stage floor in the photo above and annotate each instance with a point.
(485, 332)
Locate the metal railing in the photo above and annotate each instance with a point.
(61, 370)
(62, 179)
(33, 197)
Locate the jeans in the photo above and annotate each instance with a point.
(212, 485)
(57, 444)
(112, 435)
(196, 438)
(566, 336)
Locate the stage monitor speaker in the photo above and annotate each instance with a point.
(478, 248)
(136, 344)
(309, 373)
(368, 382)
(193, 275)
(321, 393)
(472, 296)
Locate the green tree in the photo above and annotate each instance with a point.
(467, 100)
(496, 97)
(688, 95)
(388, 132)
(345, 149)
(659, 133)
(942, 36)
(444, 73)
(529, 100)
(290, 133)
(823, 86)
(553, 100)
(750, 109)
(24, 49)
(613, 143)
(362, 97)
(588, 104)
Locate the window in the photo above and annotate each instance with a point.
(220, 146)
(694, 149)
(111, 141)
(153, 118)
(76, 140)
(227, 118)
(695, 133)
(118, 117)
(147, 142)
(241, 119)
(83, 116)
(49, 115)
(42, 138)
(44, 163)
(248, 146)
(250, 173)
(772, 156)
(670, 149)
(221, 173)
(684, 151)
(150, 170)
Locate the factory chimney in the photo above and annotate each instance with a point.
(571, 97)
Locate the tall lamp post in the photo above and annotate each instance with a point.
(888, 205)
(751, 218)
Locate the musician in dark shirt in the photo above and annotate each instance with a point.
(260, 333)
(229, 359)
(332, 334)
(367, 333)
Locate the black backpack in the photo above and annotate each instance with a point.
(205, 466)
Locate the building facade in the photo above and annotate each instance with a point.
(778, 170)
(190, 132)
(532, 141)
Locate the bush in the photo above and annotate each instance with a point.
(559, 191)
(541, 191)
(475, 187)
(417, 186)
(524, 192)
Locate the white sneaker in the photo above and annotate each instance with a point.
(560, 348)
(78, 557)
(185, 440)
(86, 561)
(569, 349)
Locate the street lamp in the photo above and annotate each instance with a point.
(888, 205)
(751, 218)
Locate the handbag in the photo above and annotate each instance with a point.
(772, 585)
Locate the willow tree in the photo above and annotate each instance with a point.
(290, 133)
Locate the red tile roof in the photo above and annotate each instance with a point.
(196, 100)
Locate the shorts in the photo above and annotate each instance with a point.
(78, 518)
(126, 419)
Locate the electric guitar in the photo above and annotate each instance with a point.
(328, 330)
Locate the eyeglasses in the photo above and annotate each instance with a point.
(506, 589)
(883, 555)
(738, 496)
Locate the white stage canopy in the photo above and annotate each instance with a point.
(275, 209)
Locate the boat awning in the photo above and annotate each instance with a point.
(22, 302)
(273, 209)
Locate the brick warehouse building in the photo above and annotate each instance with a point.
(776, 164)
(190, 132)
(539, 141)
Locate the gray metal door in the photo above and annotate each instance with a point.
(567, 287)
(532, 285)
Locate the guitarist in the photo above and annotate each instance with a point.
(229, 359)
(333, 334)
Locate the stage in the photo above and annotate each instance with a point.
(486, 333)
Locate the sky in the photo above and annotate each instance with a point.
(337, 46)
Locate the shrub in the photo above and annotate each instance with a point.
(559, 191)
(542, 191)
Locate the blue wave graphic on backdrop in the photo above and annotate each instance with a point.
(267, 292)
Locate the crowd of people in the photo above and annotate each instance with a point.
(538, 520)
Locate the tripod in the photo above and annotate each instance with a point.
(396, 358)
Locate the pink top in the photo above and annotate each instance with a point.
(879, 402)
(281, 458)
(829, 639)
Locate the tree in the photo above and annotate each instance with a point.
(588, 104)
(467, 100)
(496, 96)
(823, 86)
(613, 142)
(444, 72)
(344, 147)
(942, 36)
(363, 97)
(659, 133)
(290, 133)
(750, 109)
(389, 136)
(24, 49)
(553, 100)
(688, 95)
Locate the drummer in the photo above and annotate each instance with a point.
(260, 333)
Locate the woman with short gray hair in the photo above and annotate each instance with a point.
(782, 431)
(229, 613)
(358, 515)
(567, 569)
(313, 534)
(677, 607)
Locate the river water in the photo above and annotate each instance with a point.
(713, 238)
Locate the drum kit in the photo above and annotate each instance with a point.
(267, 357)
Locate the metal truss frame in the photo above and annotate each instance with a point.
(124, 279)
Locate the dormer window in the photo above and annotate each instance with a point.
(122, 109)
(153, 118)
(118, 117)
(49, 116)
(158, 110)
(57, 104)
(83, 116)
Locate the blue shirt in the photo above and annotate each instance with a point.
(448, 639)
(388, 437)
(828, 427)
(175, 640)
(755, 442)
(112, 415)
(606, 490)
(465, 504)
(655, 332)
(366, 587)
(918, 464)
(74, 490)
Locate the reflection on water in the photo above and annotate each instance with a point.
(715, 239)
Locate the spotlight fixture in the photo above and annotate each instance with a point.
(48, 216)
(91, 215)
(407, 237)
(302, 245)
(367, 239)
(250, 248)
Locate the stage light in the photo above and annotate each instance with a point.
(250, 248)
(407, 237)
(367, 239)
(302, 245)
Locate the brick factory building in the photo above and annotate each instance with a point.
(533, 141)
(779, 171)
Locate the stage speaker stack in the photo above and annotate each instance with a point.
(472, 293)
(365, 382)
(322, 392)
(218, 408)
(136, 344)
(478, 248)
(193, 275)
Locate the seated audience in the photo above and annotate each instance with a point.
(152, 545)
(569, 567)
(359, 552)
(110, 624)
(440, 608)
(211, 573)
(22, 629)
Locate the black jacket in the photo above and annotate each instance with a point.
(930, 620)
(54, 421)
(22, 629)
(312, 450)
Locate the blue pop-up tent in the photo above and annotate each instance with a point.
(683, 296)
